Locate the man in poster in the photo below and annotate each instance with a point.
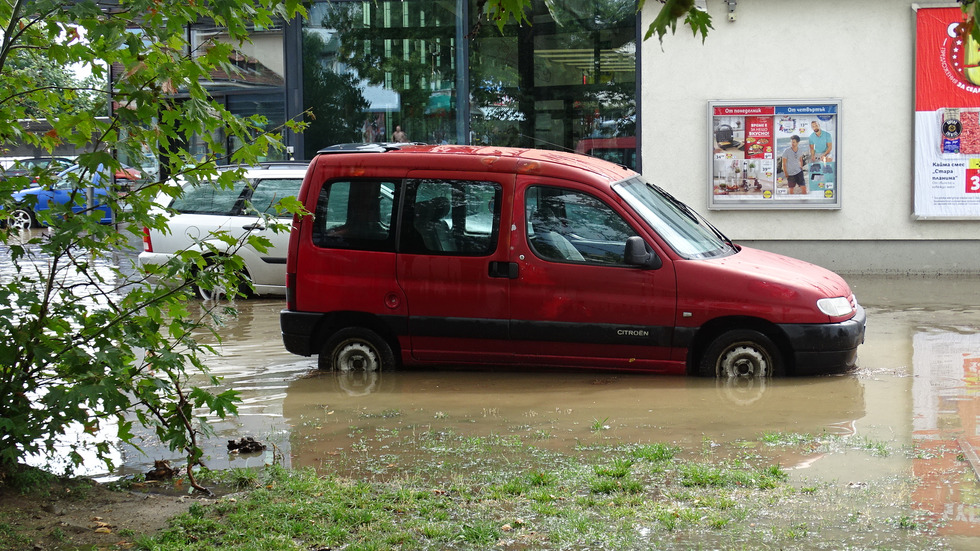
(793, 159)
(820, 143)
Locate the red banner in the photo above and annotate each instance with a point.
(947, 61)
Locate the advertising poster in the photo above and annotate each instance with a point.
(774, 155)
(947, 129)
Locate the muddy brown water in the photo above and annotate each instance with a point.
(915, 398)
(916, 395)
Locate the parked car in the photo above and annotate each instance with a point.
(27, 167)
(203, 210)
(464, 255)
(64, 189)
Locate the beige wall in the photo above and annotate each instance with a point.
(865, 57)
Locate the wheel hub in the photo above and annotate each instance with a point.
(744, 361)
(357, 357)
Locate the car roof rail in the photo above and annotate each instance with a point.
(268, 165)
(273, 165)
(375, 147)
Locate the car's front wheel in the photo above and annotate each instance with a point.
(356, 349)
(21, 219)
(741, 353)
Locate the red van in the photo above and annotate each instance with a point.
(465, 255)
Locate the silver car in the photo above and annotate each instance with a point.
(202, 210)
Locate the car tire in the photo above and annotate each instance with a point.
(741, 353)
(215, 294)
(21, 219)
(356, 349)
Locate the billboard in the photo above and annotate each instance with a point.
(947, 117)
(774, 154)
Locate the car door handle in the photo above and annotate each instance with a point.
(507, 270)
(254, 227)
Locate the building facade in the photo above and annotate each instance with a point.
(581, 77)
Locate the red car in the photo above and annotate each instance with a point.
(460, 255)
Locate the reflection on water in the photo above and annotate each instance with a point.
(252, 361)
(561, 409)
(930, 329)
(946, 408)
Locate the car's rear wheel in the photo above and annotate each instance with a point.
(21, 219)
(356, 349)
(218, 292)
(741, 353)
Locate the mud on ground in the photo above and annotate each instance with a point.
(67, 514)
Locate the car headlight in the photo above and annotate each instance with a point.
(835, 307)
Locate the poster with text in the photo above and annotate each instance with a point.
(947, 117)
(774, 155)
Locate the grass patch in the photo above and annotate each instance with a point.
(595, 501)
(445, 490)
(787, 439)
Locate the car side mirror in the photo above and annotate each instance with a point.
(639, 254)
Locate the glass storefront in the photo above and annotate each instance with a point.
(429, 69)
(252, 84)
(434, 71)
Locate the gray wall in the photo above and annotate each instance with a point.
(866, 57)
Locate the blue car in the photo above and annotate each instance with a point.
(63, 190)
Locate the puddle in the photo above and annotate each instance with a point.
(560, 411)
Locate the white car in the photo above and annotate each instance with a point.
(203, 210)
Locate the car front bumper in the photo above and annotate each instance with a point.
(822, 348)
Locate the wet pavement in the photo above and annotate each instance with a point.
(909, 416)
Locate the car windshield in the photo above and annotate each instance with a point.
(684, 230)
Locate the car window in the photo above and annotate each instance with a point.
(453, 217)
(267, 193)
(570, 226)
(203, 198)
(77, 178)
(355, 215)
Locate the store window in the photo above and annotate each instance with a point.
(567, 81)
(371, 69)
(426, 70)
(252, 83)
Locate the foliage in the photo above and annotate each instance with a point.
(673, 10)
(84, 336)
(971, 13)
(49, 73)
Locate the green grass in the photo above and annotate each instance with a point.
(441, 490)
(596, 500)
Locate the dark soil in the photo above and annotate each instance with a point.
(52, 513)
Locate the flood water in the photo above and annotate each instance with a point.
(908, 419)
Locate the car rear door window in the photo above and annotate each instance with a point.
(451, 217)
(355, 215)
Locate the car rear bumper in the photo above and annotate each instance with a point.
(153, 259)
(297, 331)
(826, 347)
